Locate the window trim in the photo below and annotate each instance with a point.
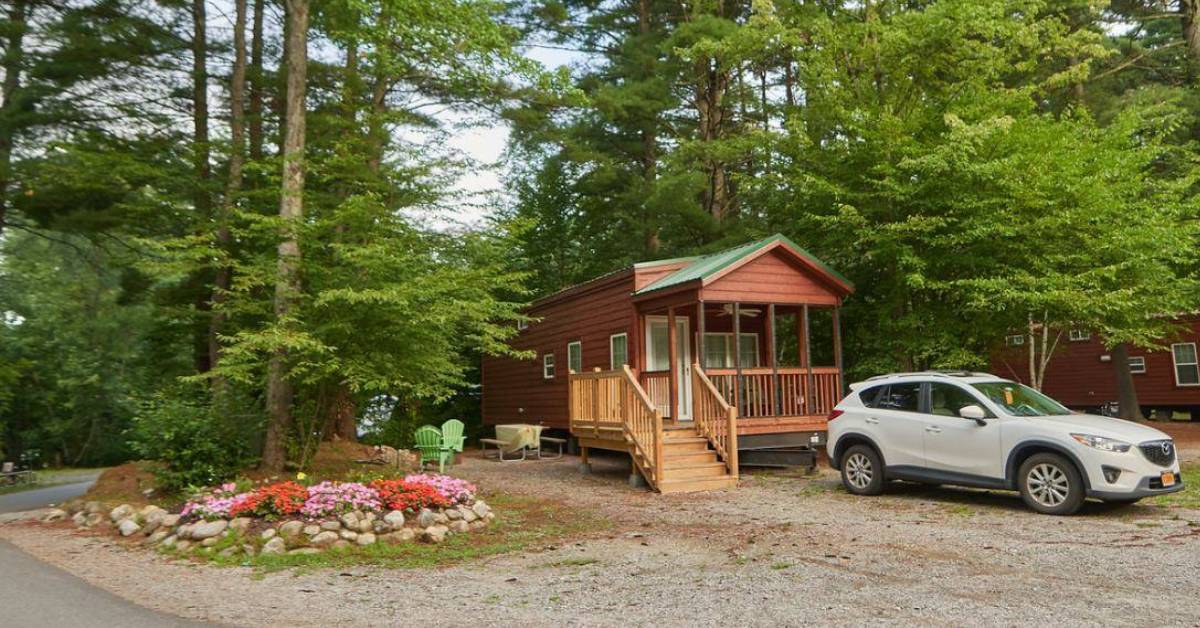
(575, 343)
(612, 364)
(548, 367)
(728, 335)
(1133, 369)
(1079, 335)
(522, 325)
(1175, 363)
(922, 397)
(927, 400)
(1015, 340)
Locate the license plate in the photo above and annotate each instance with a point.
(1168, 479)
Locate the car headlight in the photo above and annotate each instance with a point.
(1102, 443)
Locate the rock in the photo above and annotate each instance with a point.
(312, 529)
(248, 549)
(184, 531)
(208, 529)
(350, 520)
(468, 515)
(403, 535)
(210, 541)
(169, 520)
(55, 514)
(324, 538)
(128, 527)
(274, 546)
(426, 518)
(459, 526)
(183, 545)
(170, 541)
(434, 534)
(349, 535)
(228, 551)
(158, 536)
(441, 518)
(490, 516)
(151, 525)
(94, 519)
(478, 525)
(480, 508)
(341, 544)
(80, 519)
(395, 519)
(152, 513)
(366, 525)
(454, 514)
(268, 534)
(331, 526)
(93, 507)
(305, 550)
(291, 528)
(239, 524)
(380, 527)
(124, 511)
(365, 538)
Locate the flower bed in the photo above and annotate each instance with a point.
(278, 517)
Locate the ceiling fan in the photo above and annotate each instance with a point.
(727, 310)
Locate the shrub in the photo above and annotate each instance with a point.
(330, 498)
(408, 496)
(455, 490)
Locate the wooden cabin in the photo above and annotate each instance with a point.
(1081, 373)
(681, 362)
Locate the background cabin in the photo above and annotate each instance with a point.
(680, 362)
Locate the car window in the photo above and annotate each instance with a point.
(905, 397)
(1020, 400)
(948, 399)
(870, 397)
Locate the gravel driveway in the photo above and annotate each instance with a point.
(780, 549)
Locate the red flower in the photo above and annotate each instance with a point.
(281, 498)
(408, 496)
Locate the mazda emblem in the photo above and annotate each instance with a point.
(1166, 449)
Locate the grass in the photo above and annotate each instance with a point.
(522, 523)
(780, 566)
(575, 562)
(1189, 497)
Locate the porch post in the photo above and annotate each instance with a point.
(837, 351)
(774, 360)
(700, 333)
(737, 356)
(807, 357)
(673, 356)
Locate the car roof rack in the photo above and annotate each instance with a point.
(941, 372)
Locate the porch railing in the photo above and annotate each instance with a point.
(766, 392)
(715, 419)
(605, 401)
(658, 389)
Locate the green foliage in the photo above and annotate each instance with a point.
(199, 445)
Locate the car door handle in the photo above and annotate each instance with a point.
(872, 420)
(933, 428)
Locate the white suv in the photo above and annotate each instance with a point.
(975, 429)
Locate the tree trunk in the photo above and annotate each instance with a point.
(201, 171)
(1189, 11)
(282, 77)
(1126, 392)
(255, 114)
(341, 415)
(291, 212)
(233, 187)
(18, 14)
(651, 242)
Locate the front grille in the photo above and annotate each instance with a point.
(1160, 452)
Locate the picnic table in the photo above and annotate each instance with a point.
(519, 436)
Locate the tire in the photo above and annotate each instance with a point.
(1050, 484)
(862, 470)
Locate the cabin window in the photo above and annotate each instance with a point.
(548, 366)
(618, 350)
(1015, 340)
(1137, 364)
(1187, 368)
(575, 356)
(522, 325)
(1079, 335)
(719, 347)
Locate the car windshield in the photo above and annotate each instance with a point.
(1020, 400)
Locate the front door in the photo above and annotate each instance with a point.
(658, 357)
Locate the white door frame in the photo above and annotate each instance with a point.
(683, 354)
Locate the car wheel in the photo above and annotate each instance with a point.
(862, 471)
(1051, 485)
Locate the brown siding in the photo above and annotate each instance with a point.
(589, 316)
(770, 278)
(649, 275)
(1078, 378)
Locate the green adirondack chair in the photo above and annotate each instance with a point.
(452, 435)
(429, 443)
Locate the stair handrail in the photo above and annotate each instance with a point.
(643, 426)
(715, 419)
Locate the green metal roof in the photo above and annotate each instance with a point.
(706, 266)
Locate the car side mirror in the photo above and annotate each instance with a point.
(973, 412)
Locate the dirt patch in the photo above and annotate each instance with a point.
(126, 484)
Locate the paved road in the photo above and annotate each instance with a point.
(33, 593)
(42, 497)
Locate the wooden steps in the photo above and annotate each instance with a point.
(689, 464)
